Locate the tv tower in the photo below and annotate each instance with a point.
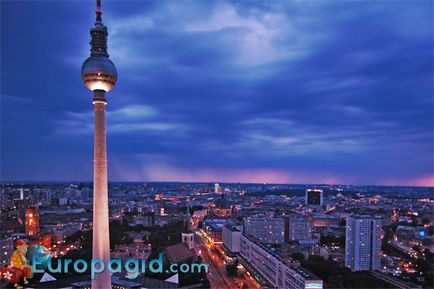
(99, 75)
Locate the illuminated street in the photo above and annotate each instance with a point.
(217, 275)
(217, 272)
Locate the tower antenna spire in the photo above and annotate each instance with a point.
(99, 75)
(98, 11)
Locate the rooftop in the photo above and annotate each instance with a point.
(306, 274)
(300, 270)
(179, 252)
(216, 225)
(232, 228)
(362, 217)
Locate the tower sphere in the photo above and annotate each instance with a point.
(99, 73)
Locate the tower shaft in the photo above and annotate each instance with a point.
(101, 236)
(99, 75)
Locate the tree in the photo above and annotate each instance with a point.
(231, 269)
(332, 240)
(335, 276)
(298, 256)
(167, 235)
(118, 234)
(430, 230)
(425, 221)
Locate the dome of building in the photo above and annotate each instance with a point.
(99, 73)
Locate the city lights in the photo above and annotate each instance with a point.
(247, 144)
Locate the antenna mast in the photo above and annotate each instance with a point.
(98, 11)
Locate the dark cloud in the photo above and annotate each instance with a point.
(248, 91)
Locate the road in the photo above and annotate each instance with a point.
(245, 278)
(394, 281)
(250, 282)
(217, 272)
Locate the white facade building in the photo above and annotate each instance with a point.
(188, 239)
(281, 274)
(299, 228)
(268, 230)
(363, 243)
(231, 238)
(217, 188)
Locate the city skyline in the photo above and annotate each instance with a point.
(224, 92)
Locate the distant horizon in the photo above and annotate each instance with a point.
(214, 182)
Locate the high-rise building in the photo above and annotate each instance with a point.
(281, 273)
(217, 188)
(298, 228)
(363, 243)
(231, 238)
(314, 197)
(32, 222)
(99, 75)
(268, 230)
